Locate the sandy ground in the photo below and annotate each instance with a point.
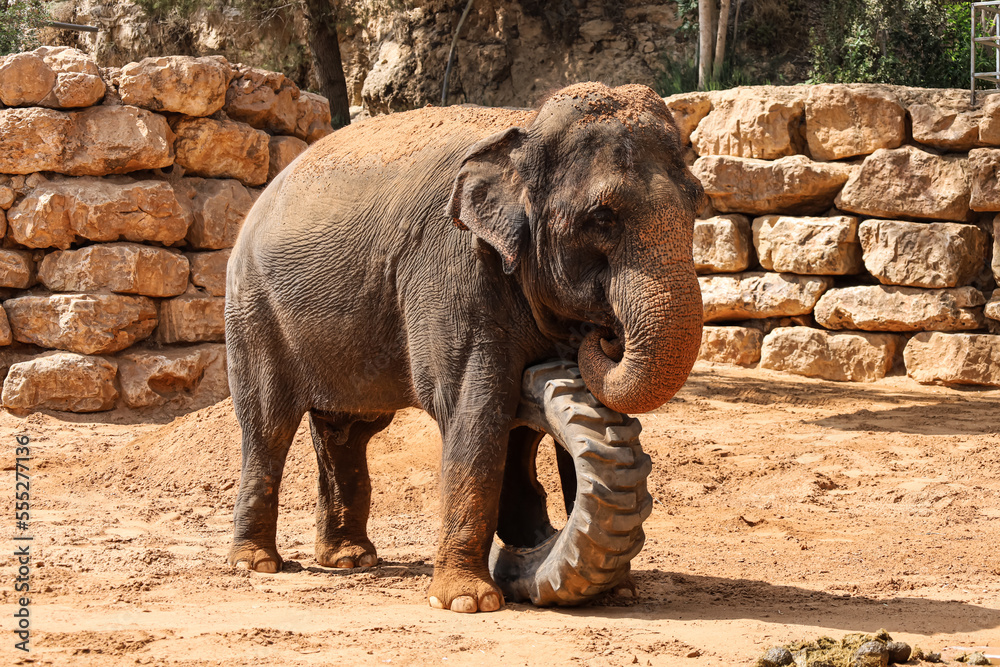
(784, 509)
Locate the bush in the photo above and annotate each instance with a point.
(908, 42)
(19, 23)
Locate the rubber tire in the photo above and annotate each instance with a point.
(603, 531)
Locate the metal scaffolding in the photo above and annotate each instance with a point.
(985, 32)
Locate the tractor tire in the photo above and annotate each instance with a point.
(603, 472)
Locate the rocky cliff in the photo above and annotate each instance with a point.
(509, 52)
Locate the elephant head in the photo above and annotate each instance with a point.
(590, 205)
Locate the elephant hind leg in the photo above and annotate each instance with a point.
(345, 489)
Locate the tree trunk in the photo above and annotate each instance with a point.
(705, 33)
(720, 41)
(325, 49)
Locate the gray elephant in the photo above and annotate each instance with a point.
(425, 259)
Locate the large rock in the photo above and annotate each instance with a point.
(193, 317)
(61, 381)
(187, 377)
(57, 213)
(217, 207)
(722, 244)
(17, 269)
(6, 336)
(946, 121)
(752, 122)
(843, 357)
(688, 109)
(890, 308)
(939, 358)
(119, 267)
(795, 185)
(984, 172)
(844, 121)
(739, 346)
(989, 122)
(809, 246)
(96, 141)
(922, 254)
(208, 271)
(83, 323)
(264, 100)
(281, 152)
(57, 77)
(992, 307)
(312, 118)
(757, 295)
(179, 84)
(221, 149)
(911, 183)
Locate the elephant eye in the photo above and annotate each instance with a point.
(602, 216)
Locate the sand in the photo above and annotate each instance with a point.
(785, 509)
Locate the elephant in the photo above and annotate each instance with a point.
(425, 259)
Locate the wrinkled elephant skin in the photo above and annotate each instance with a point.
(426, 259)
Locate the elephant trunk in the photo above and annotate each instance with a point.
(661, 320)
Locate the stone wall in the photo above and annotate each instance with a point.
(121, 193)
(850, 230)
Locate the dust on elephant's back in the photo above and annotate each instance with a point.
(398, 139)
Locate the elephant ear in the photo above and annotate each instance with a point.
(487, 196)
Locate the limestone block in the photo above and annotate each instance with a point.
(911, 183)
(187, 377)
(57, 77)
(61, 381)
(948, 125)
(264, 100)
(739, 346)
(989, 122)
(688, 109)
(83, 323)
(180, 84)
(722, 244)
(846, 120)
(93, 142)
(221, 149)
(193, 317)
(6, 198)
(984, 172)
(281, 152)
(756, 295)
(921, 254)
(312, 118)
(940, 358)
(17, 269)
(59, 212)
(809, 246)
(992, 307)
(892, 308)
(218, 208)
(751, 122)
(794, 185)
(208, 270)
(119, 267)
(844, 357)
(6, 337)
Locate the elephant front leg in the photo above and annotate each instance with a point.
(471, 477)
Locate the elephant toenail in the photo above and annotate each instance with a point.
(242, 565)
(368, 560)
(344, 562)
(267, 567)
(434, 602)
(464, 604)
(490, 602)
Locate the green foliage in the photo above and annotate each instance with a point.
(19, 24)
(682, 77)
(162, 8)
(908, 42)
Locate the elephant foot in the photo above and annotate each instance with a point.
(249, 555)
(347, 554)
(464, 592)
